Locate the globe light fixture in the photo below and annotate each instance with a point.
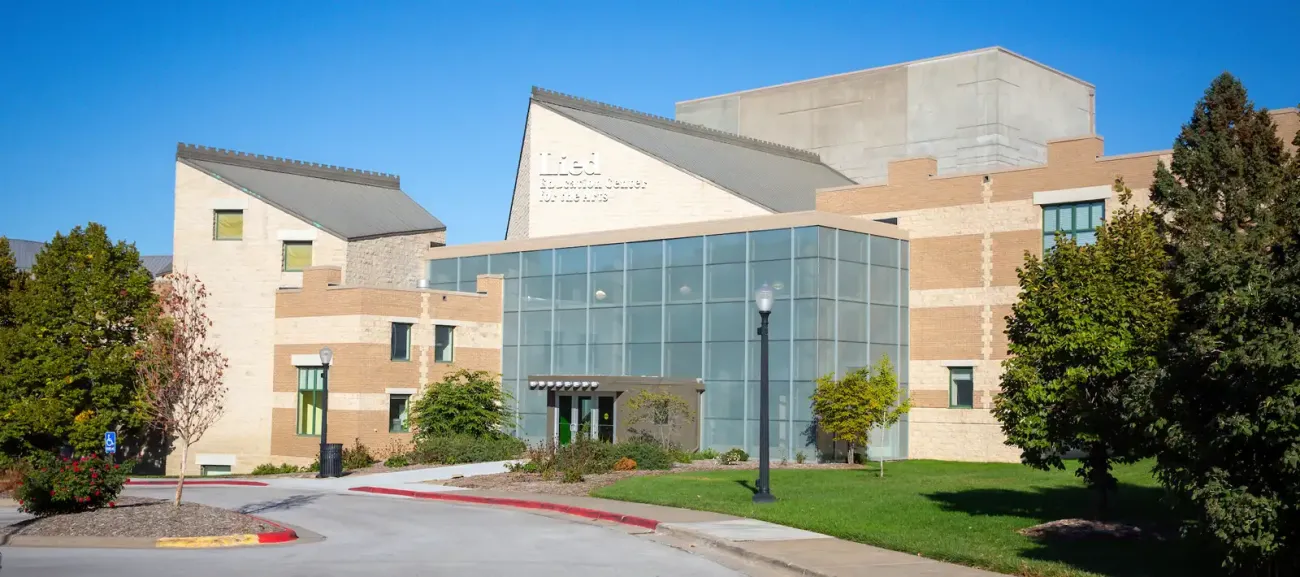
(764, 298)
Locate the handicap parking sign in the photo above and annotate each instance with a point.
(110, 442)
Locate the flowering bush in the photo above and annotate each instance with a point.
(625, 464)
(70, 485)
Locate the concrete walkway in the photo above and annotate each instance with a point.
(408, 479)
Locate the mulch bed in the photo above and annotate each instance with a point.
(534, 483)
(1083, 529)
(143, 518)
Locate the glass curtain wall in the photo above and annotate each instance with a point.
(683, 308)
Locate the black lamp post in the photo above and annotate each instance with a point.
(763, 298)
(326, 357)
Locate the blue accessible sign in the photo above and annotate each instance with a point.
(110, 442)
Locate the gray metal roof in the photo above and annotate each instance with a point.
(348, 203)
(778, 177)
(25, 252)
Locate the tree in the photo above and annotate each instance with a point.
(1229, 402)
(849, 408)
(10, 278)
(1084, 338)
(180, 374)
(67, 362)
(662, 410)
(464, 403)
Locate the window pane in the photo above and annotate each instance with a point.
(852, 356)
(1065, 218)
(1083, 238)
(778, 362)
(853, 281)
(607, 289)
(537, 263)
(1049, 241)
(805, 319)
(852, 322)
(607, 257)
(884, 324)
(297, 256)
(904, 287)
(685, 323)
(905, 254)
(726, 321)
(645, 254)
(853, 246)
(511, 302)
(879, 352)
(1049, 219)
(606, 326)
(470, 268)
(683, 360)
(228, 224)
(534, 361)
(826, 319)
(537, 293)
(684, 251)
(644, 325)
(725, 361)
(443, 343)
(780, 322)
(442, 271)
(510, 329)
(725, 400)
(803, 392)
(727, 282)
(962, 385)
(773, 273)
(805, 278)
(571, 327)
(506, 264)
(884, 251)
(684, 284)
(571, 260)
(805, 361)
(643, 359)
(570, 360)
(509, 365)
(397, 413)
(1098, 214)
(309, 412)
(884, 285)
(607, 360)
(645, 286)
(570, 291)
(826, 241)
(309, 379)
(400, 342)
(536, 328)
(1081, 216)
(805, 241)
(726, 248)
(769, 245)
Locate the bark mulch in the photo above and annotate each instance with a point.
(143, 518)
(534, 483)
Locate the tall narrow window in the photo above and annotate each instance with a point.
(443, 343)
(310, 396)
(1077, 220)
(401, 342)
(228, 224)
(397, 405)
(297, 255)
(961, 387)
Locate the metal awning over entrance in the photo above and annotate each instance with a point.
(605, 383)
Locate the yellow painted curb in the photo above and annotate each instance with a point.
(201, 542)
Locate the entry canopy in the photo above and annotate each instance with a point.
(605, 383)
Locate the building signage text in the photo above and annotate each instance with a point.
(563, 178)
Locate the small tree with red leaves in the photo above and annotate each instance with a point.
(180, 373)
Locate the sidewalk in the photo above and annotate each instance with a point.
(802, 551)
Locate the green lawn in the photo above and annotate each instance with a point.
(966, 513)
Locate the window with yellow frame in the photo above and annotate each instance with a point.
(297, 256)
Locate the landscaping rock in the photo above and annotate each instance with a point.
(142, 518)
(1083, 529)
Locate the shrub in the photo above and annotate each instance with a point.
(732, 456)
(625, 464)
(651, 456)
(573, 476)
(584, 456)
(357, 457)
(456, 449)
(464, 403)
(397, 462)
(704, 455)
(529, 467)
(281, 469)
(314, 467)
(11, 475)
(799, 457)
(70, 486)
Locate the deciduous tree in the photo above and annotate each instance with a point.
(180, 373)
(1084, 338)
(849, 408)
(1229, 404)
(464, 403)
(663, 411)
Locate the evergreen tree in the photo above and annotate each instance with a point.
(1084, 338)
(1229, 403)
(9, 282)
(68, 368)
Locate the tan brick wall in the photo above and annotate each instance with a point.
(946, 333)
(1288, 124)
(957, 435)
(346, 427)
(390, 261)
(1009, 250)
(946, 262)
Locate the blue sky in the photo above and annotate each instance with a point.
(94, 98)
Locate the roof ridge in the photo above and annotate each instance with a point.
(562, 99)
(287, 165)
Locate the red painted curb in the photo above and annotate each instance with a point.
(284, 535)
(172, 483)
(520, 503)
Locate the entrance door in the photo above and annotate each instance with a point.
(564, 414)
(590, 415)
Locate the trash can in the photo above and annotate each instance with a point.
(331, 464)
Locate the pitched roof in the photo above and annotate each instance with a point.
(25, 252)
(777, 177)
(348, 203)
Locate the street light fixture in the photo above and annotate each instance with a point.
(764, 298)
(326, 357)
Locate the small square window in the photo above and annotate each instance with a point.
(297, 256)
(227, 224)
(401, 342)
(961, 387)
(213, 470)
(397, 407)
(443, 343)
(1077, 221)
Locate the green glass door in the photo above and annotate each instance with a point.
(565, 415)
(586, 407)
